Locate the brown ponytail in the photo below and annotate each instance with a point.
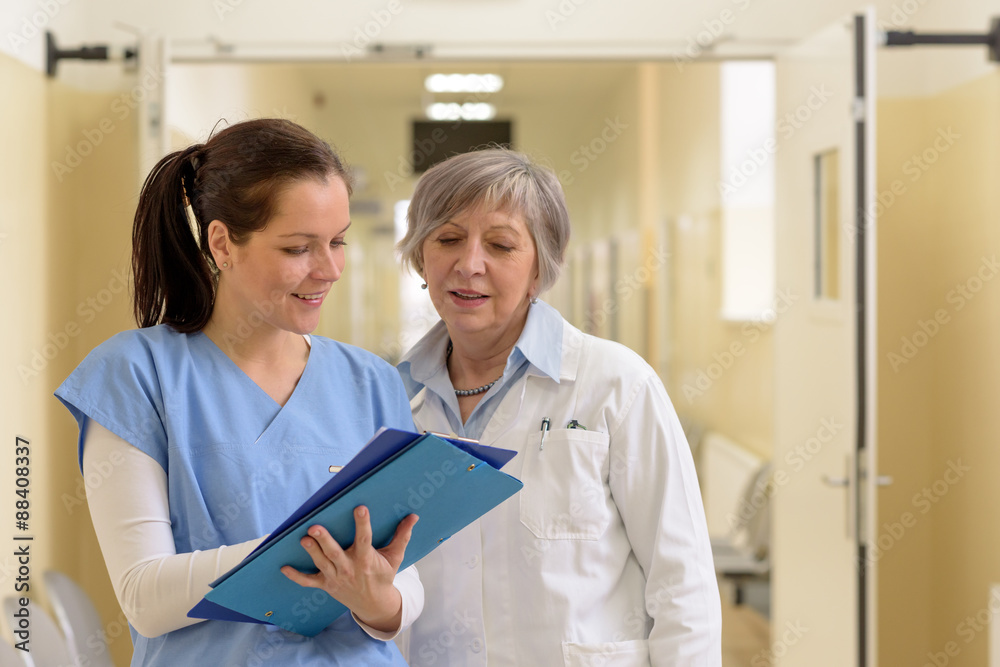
(235, 177)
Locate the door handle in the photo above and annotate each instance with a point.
(847, 483)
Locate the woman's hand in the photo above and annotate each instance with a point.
(361, 576)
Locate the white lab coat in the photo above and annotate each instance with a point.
(603, 558)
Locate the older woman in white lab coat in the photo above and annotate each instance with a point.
(603, 558)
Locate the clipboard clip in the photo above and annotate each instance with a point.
(452, 436)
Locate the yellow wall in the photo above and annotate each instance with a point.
(966, 555)
(25, 274)
(91, 225)
(937, 399)
(67, 199)
(601, 177)
(906, 257)
(729, 394)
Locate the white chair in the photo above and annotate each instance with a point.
(744, 554)
(47, 647)
(79, 620)
(11, 657)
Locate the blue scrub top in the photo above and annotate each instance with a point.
(238, 464)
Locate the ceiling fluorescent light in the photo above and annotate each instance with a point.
(463, 83)
(467, 111)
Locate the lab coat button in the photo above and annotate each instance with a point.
(473, 562)
(476, 646)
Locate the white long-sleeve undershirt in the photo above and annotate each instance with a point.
(156, 586)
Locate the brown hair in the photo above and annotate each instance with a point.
(235, 177)
(494, 179)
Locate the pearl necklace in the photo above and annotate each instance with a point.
(471, 392)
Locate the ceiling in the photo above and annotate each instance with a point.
(491, 31)
(523, 82)
(483, 29)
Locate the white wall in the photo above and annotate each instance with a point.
(22, 26)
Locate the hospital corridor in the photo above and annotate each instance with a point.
(789, 211)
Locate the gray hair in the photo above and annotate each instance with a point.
(494, 179)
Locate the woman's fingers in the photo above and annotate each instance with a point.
(322, 547)
(302, 579)
(360, 577)
(362, 531)
(394, 551)
(320, 558)
(334, 563)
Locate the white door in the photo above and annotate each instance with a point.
(150, 95)
(822, 587)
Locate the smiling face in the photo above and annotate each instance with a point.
(280, 276)
(481, 270)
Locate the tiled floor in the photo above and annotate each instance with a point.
(745, 636)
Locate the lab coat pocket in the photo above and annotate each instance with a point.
(633, 653)
(564, 495)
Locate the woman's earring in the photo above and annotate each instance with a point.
(424, 286)
(225, 265)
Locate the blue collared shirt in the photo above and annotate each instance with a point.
(425, 365)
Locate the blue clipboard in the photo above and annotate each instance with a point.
(449, 483)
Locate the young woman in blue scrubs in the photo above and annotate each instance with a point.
(221, 414)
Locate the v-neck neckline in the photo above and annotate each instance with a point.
(298, 383)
